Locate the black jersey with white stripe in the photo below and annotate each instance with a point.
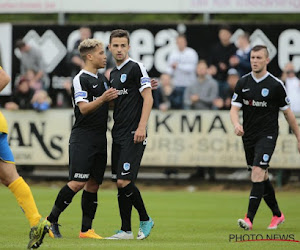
(130, 79)
(260, 100)
(87, 87)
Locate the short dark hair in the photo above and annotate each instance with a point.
(119, 33)
(260, 47)
(20, 44)
(225, 27)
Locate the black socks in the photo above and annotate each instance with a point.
(128, 196)
(89, 203)
(256, 195)
(63, 199)
(270, 199)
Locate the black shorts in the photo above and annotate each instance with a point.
(126, 158)
(261, 152)
(87, 157)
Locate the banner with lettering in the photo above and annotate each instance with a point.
(176, 139)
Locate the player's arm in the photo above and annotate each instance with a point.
(290, 117)
(234, 117)
(140, 133)
(4, 79)
(107, 96)
(236, 104)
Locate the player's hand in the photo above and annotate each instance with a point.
(110, 94)
(154, 83)
(139, 135)
(239, 130)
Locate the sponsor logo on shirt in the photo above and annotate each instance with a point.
(287, 100)
(145, 80)
(123, 91)
(235, 95)
(82, 94)
(105, 85)
(254, 103)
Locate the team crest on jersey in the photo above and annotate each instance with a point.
(264, 92)
(126, 166)
(123, 78)
(266, 157)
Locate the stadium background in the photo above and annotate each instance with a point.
(278, 22)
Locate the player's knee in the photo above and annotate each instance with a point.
(258, 174)
(76, 185)
(122, 183)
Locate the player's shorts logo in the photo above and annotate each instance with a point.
(126, 166)
(123, 78)
(264, 92)
(266, 157)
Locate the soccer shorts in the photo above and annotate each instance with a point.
(126, 159)
(5, 151)
(261, 152)
(87, 157)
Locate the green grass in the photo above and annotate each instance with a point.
(183, 220)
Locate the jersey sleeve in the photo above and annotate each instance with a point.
(142, 77)
(284, 101)
(237, 99)
(80, 90)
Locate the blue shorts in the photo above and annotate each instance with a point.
(5, 151)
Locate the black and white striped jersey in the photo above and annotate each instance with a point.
(87, 87)
(260, 100)
(130, 79)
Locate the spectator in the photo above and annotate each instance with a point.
(241, 59)
(166, 96)
(22, 96)
(182, 64)
(224, 99)
(220, 54)
(33, 82)
(41, 101)
(202, 93)
(31, 59)
(292, 84)
(75, 62)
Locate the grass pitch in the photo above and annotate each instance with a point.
(183, 220)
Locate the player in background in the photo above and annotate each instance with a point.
(261, 96)
(88, 145)
(131, 112)
(10, 178)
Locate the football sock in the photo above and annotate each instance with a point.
(255, 198)
(63, 199)
(137, 201)
(270, 199)
(125, 208)
(89, 206)
(24, 197)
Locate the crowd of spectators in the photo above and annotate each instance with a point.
(187, 83)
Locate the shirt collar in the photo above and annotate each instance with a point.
(125, 62)
(260, 79)
(89, 73)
